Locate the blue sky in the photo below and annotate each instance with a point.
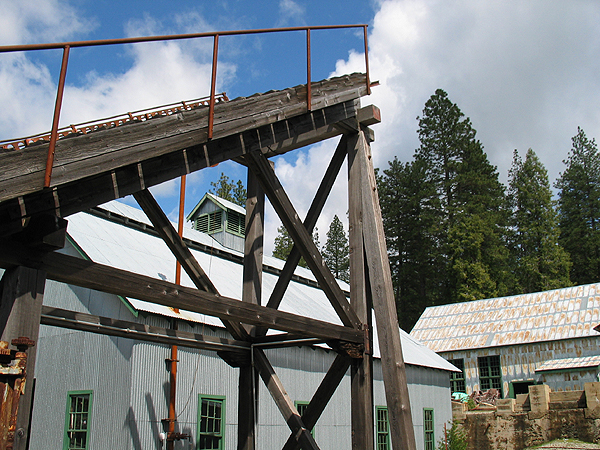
(526, 73)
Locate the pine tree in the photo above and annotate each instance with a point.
(284, 244)
(579, 209)
(538, 260)
(229, 190)
(336, 251)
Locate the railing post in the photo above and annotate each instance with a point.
(213, 86)
(367, 61)
(308, 75)
(54, 134)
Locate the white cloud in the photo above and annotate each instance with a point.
(290, 14)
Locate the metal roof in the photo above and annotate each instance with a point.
(570, 364)
(520, 319)
(120, 245)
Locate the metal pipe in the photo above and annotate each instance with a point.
(308, 77)
(172, 394)
(180, 226)
(367, 61)
(135, 40)
(213, 86)
(57, 107)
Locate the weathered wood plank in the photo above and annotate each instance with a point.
(362, 369)
(22, 293)
(81, 156)
(302, 239)
(71, 270)
(131, 330)
(380, 281)
(272, 139)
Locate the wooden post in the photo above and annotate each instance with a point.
(22, 292)
(251, 293)
(380, 286)
(362, 369)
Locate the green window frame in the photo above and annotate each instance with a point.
(457, 380)
(210, 222)
(77, 420)
(428, 422)
(490, 373)
(211, 422)
(236, 223)
(301, 407)
(382, 428)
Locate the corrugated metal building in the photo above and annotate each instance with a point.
(121, 386)
(512, 342)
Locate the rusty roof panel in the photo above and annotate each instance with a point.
(520, 319)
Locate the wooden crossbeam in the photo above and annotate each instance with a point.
(182, 253)
(132, 330)
(87, 274)
(302, 239)
(322, 395)
(309, 223)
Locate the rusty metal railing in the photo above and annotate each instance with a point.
(67, 46)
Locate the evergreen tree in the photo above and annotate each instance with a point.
(284, 244)
(229, 190)
(538, 261)
(336, 251)
(444, 217)
(579, 209)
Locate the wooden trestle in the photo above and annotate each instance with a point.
(100, 166)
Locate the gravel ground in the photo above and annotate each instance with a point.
(568, 445)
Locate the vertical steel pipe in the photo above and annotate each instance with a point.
(308, 75)
(57, 107)
(180, 225)
(213, 86)
(367, 61)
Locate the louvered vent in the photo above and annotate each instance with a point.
(210, 223)
(236, 223)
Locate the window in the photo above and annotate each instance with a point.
(210, 223)
(428, 428)
(211, 423)
(382, 428)
(457, 380)
(490, 375)
(236, 223)
(77, 426)
(301, 407)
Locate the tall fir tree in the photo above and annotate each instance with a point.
(336, 251)
(229, 190)
(538, 260)
(579, 209)
(443, 216)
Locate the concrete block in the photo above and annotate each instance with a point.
(539, 398)
(592, 394)
(459, 410)
(505, 406)
(522, 403)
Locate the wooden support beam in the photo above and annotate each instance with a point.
(321, 398)
(22, 292)
(302, 239)
(131, 330)
(380, 281)
(251, 293)
(71, 270)
(310, 221)
(362, 369)
(283, 401)
(182, 253)
(118, 174)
